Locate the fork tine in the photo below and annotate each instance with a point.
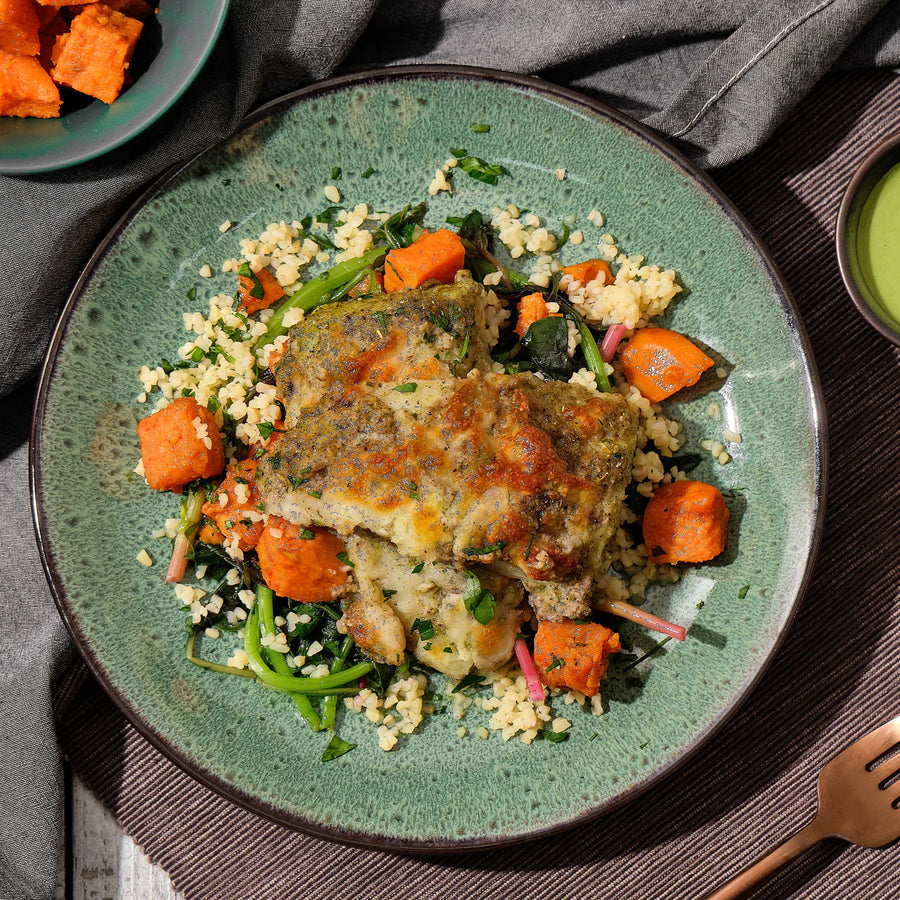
(880, 740)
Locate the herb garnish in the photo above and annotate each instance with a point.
(342, 556)
(480, 128)
(336, 747)
(368, 173)
(478, 600)
(307, 535)
(556, 664)
(408, 388)
(484, 551)
(555, 737)
(743, 591)
(336, 173)
(467, 682)
(414, 490)
(477, 168)
(425, 627)
(418, 568)
(257, 291)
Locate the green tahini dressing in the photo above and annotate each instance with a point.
(878, 242)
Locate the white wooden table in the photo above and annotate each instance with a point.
(101, 862)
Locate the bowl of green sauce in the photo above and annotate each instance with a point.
(868, 238)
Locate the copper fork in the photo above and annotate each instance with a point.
(859, 801)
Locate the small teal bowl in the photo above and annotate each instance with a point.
(172, 50)
(877, 163)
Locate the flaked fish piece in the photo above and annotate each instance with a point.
(432, 594)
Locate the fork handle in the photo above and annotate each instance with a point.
(756, 873)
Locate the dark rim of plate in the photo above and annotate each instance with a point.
(880, 154)
(347, 836)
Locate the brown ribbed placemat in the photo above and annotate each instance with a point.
(835, 677)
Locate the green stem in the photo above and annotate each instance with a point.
(329, 707)
(215, 667)
(318, 290)
(265, 603)
(592, 356)
(291, 684)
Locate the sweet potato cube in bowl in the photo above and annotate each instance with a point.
(93, 57)
(19, 25)
(26, 89)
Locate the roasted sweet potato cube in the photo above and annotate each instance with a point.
(54, 27)
(19, 27)
(96, 52)
(179, 444)
(26, 89)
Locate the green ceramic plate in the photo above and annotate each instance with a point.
(435, 790)
(172, 50)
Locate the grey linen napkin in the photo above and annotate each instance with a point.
(717, 78)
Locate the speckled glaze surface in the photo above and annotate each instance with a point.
(172, 50)
(435, 790)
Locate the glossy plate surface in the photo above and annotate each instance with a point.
(172, 50)
(94, 515)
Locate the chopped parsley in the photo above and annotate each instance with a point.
(484, 551)
(336, 173)
(192, 294)
(425, 627)
(414, 490)
(478, 600)
(556, 664)
(297, 480)
(467, 682)
(265, 430)
(555, 737)
(528, 548)
(381, 320)
(316, 494)
(307, 535)
(408, 388)
(743, 591)
(336, 747)
(418, 568)
(480, 128)
(257, 291)
(342, 556)
(388, 593)
(213, 404)
(479, 169)
(368, 173)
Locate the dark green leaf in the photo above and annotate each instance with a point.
(316, 494)
(418, 568)
(257, 291)
(556, 664)
(555, 737)
(307, 535)
(425, 627)
(402, 228)
(336, 173)
(477, 600)
(368, 173)
(484, 551)
(743, 591)
(480, 170)
(192, 294)
(336, 747)
(547, 343)
(467, 682)
(458, 152)
(342, 556)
